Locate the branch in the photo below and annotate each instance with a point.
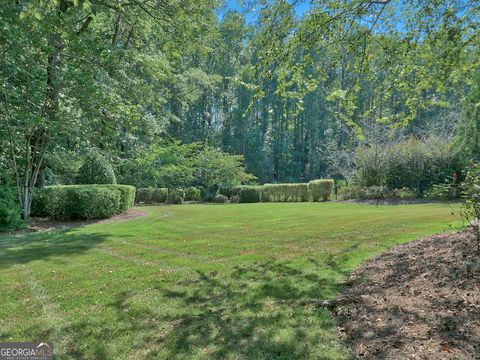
(85, 25)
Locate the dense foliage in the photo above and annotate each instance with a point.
(82, 202)
(285, 192)
(320, 189)
(175, 196)
(250, 194)
(357, 192)
(96, 170)
(176, 165)
(151, 195)
(410, 163)
(193, 194)
(9, 210)
(285, 96)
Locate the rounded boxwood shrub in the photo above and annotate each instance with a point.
(175, 196)
(82, 202)
(192, 194)
(320, 189)
(96, 170)
(151, 195)
(220, 199)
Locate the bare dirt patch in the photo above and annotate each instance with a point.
(419, 300)
(44, 224)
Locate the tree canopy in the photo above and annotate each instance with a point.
(281, 91)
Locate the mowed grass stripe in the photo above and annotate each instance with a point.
(200, 281)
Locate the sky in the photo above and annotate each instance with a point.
(301, 8)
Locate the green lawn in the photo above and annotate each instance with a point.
(198, 281)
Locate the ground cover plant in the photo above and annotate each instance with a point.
(175, 284)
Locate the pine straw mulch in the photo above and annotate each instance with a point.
(419, 300)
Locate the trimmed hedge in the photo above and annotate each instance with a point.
(92, 203)
(127, 195)
(321, 189)
(192, 194)
(250, 194)
(82, 202)
(175, 196)
(151, 195)
(315, 190)
(220, 199)
(285, 192)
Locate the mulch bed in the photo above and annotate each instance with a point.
(419, 300)
(37, 224)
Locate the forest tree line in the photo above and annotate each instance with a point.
(295, 96)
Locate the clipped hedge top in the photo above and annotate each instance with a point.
(321, 181)
(285, 185)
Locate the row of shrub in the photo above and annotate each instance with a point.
(164, 195)
(375, 193)
(82, 202)
(315, 190)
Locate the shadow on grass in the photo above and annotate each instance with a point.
(22, 249)
(259, 311)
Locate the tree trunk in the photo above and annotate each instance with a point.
(37, 140)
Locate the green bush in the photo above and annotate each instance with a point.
(92, 202)
(192, 194)
(82, 202)
(127, 196)
(470, 192)
(321, 189)
(220, 199)
(375, 193)
(175, 196)
(39, 202)
(10, 218)
(96, 170)
(151, 195)
(411, 163)
(285, 192)
(51, 201)
(250, 194)
(403, 194)
(235, 199)
(352, 192)
(229, 191)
